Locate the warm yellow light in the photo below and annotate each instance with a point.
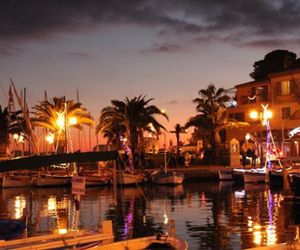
(72, 121)
(20, 204)
(166, 219)
(60, 121)
(247, 137)
(50, 138)
(52, 204)
(62, 230)
(254, 115)
(151, 127)
(269, 114)
(163, 111)
(19, 137)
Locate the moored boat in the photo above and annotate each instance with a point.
(129, 178)
(151, 242)
(225, 175)
(48, 180)
(97, 180)
(276, 176)
(167, 178)
(238, 175)
(17, 179)
(254, 176)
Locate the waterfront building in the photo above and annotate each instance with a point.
(281, 92)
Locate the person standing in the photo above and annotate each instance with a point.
(253, 159)
(244, 158)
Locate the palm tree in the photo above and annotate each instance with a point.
(52, 115)
(129, 119)
(10, 123)
(211, 106)
(178, 130)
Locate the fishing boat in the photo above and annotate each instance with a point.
(238, 175)
(124, 178)
(97, 179)
(225, 175)
(167, 178)
(255, 175)
(17, 179)
(71, 240)
(276, 176)
(48, 180)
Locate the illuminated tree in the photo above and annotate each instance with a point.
(52, 115)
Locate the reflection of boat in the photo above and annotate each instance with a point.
(48, 180)
(11, 229)
(168, 190)
(225, 175)
(225, 185)
(254, 187)
(168, 178)
(151, 242)
(127, 178)
(294, 181)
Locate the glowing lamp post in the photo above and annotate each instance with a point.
(63, 125)
(265, 117)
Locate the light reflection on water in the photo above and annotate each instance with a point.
(209, 215)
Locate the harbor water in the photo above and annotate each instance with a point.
(208, 215)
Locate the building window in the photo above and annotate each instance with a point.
(262, 92)
(286, 113)
(285, 88)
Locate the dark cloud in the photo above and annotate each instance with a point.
(214, 20)
(164, 48)
(9, 50)
(78, 55)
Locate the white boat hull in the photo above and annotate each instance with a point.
(168, 179)
(251, 177)
(127, 179)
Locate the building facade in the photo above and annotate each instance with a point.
(280, 93)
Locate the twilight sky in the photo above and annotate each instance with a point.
(112, 49)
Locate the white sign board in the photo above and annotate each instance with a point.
(78, 185)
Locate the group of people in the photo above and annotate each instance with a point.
(249, 153)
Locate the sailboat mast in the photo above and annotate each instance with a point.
(165, 153)
(78, 132)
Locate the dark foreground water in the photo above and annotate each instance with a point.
(209, 215)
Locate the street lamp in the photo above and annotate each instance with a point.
(264, 118)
